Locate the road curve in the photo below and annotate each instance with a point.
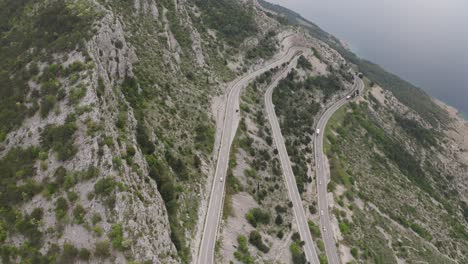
(231, 122)
(322, 179)
(295, 197)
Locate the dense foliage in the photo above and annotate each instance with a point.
(60, 139)
(257, 216)
(255, 238)
(242, 254)
(266, 47)
(296, 105)
(303, 63)
(230, 18)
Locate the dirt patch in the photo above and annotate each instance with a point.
(319, 67)
(238, 225)
(345, 253)
(379, 94)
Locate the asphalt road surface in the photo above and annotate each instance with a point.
(323, 179)
(231, 122)
(294, 196)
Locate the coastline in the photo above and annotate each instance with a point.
(454, 112)
(464, 116)
(458, 130)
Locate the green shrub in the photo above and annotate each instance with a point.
(105, 186)
(204, 137)
(116, 236)
(296, 237)
(70, 180)
(279, 220)
(257, 216)
(344, 228)
(69, 253)
(60, 139)
(320, 245)
(37, 214)
(47, 104)
(72, 196)
(177, 165)
(298, 256)
(96, 218)
(421, 231)
(303, 63)
(98, 230)
(79, 213)
(323, 259)
(61, 208)
(76, 94)
(255, 238)
(101, 88)
(102, 249)
(91, 172)
(84, 254)
(76, 66)
(29, 228)
(314, 229)
(3, 232)
(280, 234)
(242, 254)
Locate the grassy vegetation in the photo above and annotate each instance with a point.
(333, 124)
(314, 229)
(27, 38)
(233, 185)
(398, 175)
(413, 128)
(242, 254)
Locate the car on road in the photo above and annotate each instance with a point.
(221, 179)
(320, 182)
(348, 97)
(318, 131)
(324, 229)
(321, 212)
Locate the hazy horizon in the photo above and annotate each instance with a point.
(422, 41)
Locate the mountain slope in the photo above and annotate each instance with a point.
(109, 125)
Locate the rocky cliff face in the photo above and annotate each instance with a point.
(92, 196)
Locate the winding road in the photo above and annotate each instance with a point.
(323, 173)
(294, 196)
(231, 122)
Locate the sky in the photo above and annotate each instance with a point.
(422, 41)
